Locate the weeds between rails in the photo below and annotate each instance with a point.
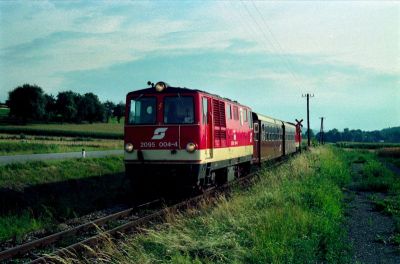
(292, 214)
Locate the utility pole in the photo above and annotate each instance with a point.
(308, 117)
(321, 131)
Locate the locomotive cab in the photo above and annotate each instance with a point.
(179, 138)
(161, 138)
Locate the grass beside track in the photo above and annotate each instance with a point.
(293, 214)
(376, 177)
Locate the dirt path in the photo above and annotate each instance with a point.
(369, 230)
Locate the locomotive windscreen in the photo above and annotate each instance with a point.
(142, 111)
(178, 110)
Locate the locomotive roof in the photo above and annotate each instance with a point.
(171, 89)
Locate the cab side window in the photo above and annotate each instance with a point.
(205, 110)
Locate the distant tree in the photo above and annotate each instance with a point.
(346, 135)
(90, 108)
(27, 102)
(312, 135)
(108, 110)
(50, 107)
(66, 105)
(119, 111)
(357, 135)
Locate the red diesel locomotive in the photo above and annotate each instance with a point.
(180, 137)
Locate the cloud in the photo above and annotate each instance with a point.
(347, 51)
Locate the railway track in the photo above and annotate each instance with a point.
(29, 252)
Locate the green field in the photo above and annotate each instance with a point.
(113, 129)
(362, 145)
(25, 144)
(96, 130)
(293, 214)
(4, 113)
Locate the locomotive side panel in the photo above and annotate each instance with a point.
(178, 136)
(231, 133)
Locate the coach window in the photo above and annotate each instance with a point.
(142, 111)
(271, 133)
(178, 110)
(245, 115)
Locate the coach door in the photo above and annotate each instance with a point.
(207, 126)
(256, 143)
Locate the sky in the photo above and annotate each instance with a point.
(264, 54)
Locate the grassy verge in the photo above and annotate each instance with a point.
(376, 177)
(20, 175)
(10, 145)
(293, 214)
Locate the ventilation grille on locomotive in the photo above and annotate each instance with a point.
(219, 113)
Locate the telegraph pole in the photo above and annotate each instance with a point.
(308, 117)
(321, 132)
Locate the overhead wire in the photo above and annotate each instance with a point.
(266, 38)
(281, 50)
(249, 27)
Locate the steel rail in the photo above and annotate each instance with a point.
(53, 238)
(137, 223)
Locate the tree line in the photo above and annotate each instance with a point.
(29, 103)
(356, 135)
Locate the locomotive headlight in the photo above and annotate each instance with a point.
(191, 147)
(160, 86)
(129, 147)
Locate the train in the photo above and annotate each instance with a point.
(181, 138)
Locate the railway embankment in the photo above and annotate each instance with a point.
(293, 213)
(42, 194)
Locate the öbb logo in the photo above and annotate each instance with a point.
(159, 133)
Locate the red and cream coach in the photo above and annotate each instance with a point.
(190, 138)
